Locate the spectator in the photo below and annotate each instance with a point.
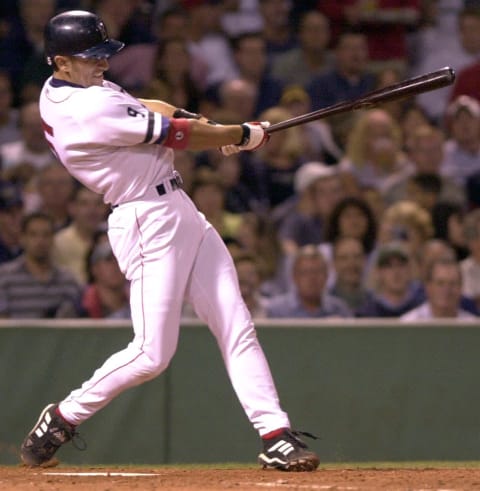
(386, 24)
(238, 197)
(172, 78)
(437, 29)
(433, 250)
(169, 23)
(311, 58)
(395, 289)
(458, 54)
(317, 136)
(318, 189)
(11, 215)
(448, 225)
(462, 149)
(443, 289)
(424, 190)
(308, 298)
(241, 16)
(250, 279)
(352, 217)
(208, 194)
(30, 285)
(35, 71)
(470, 266)
(349, 265)
(277, 28)
(21, 47)
(349, 79)
(412, 118)
(125, 20)
(387, 77)
(22, 158)
(271, 169)
(106, 294)
(207, 44)
(250, 54)
(374, 152)
(467, 82)
(71, 244)
(256, 236)
(55, 188)
(237, 100)
(9, 131)
(375, 200)
(426, 153)
(408, 222)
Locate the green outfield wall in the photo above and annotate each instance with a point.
(371, 391)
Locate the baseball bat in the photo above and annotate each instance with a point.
(407, 88)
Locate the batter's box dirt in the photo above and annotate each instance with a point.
(237, 478)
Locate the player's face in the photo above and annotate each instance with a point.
(84, 71)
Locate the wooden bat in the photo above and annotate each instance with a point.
(407, 88)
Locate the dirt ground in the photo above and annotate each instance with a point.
(179, 479)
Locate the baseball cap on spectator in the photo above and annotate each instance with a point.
(310, 172)
(465, 103)
(10, 196)
(101, 251)
(392, 250)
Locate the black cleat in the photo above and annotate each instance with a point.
(287, 452)
(50, 432)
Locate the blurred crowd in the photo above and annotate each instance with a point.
(371, 213)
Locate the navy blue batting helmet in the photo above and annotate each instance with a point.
(78, 33)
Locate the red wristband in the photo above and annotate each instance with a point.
(178, 135)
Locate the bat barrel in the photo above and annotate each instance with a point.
(413, 86)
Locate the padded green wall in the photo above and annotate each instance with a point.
(377, 393)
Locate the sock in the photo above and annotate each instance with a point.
(58, 412)
(273, 434)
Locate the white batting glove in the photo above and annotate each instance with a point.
(254, 136)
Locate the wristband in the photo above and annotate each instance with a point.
(245, 135)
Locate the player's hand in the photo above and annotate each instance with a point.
(254, 136)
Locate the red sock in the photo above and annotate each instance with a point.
(273, 434)
(57, 411)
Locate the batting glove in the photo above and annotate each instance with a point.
(253, 137)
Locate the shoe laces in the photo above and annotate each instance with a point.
(295, 435)
(77, 440)
(304, 433)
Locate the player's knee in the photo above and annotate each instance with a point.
(152, 367)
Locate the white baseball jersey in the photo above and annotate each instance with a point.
(100, 133)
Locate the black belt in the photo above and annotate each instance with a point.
(175, 182)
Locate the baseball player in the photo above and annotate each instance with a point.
(123, 148)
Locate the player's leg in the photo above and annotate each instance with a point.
(156, 253)
(215, 295)
(156, 293)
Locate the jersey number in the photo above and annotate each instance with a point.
(134, 112)
(48, 130)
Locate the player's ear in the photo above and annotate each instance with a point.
(62, 63)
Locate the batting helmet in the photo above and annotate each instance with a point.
(78, 33)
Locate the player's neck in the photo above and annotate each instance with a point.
(64, 77)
